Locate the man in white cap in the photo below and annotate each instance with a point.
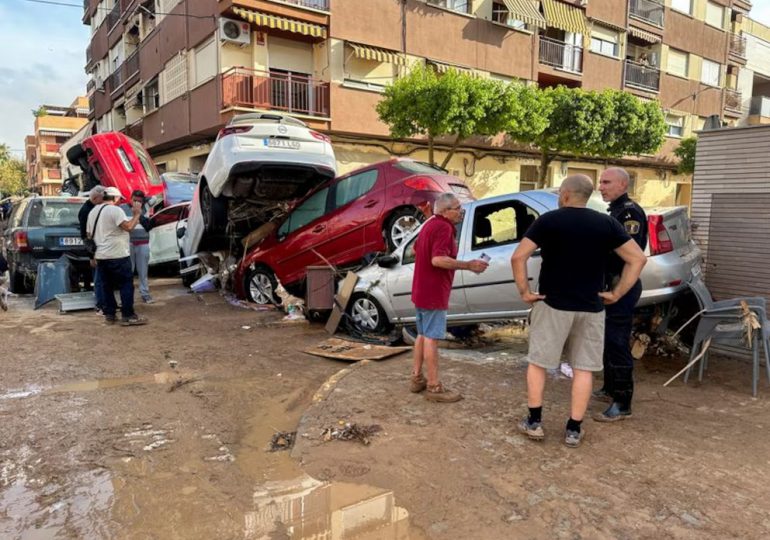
(95, 197)
(109, 227)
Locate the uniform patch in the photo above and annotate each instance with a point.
(632, 226)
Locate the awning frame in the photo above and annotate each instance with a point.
(649, 37)
(565, 17)
(281, 23)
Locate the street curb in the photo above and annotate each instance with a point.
(331, 383)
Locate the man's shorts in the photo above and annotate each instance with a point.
(431, 323)
(578, 334)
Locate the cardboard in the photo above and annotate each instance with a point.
(341, 301)
(353, 351)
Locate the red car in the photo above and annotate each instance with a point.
(113, 159)
(372, 209)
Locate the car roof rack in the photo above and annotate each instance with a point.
(266, 117)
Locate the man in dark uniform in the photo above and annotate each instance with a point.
(618, 362)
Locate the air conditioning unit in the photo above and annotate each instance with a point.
(234, 31)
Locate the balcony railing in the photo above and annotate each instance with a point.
(561, 55)
(90, 86)
(738, 45)
(323, 5)
(733, 100)
(642, 76)
(113, 17)
(131, 66)
(650, 11)
(463, 6)
(49, 148)
(115, 80)
(52, 174)
(760, 106)
(276, 91)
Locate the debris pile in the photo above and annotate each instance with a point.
(351, 432)
(282, 440)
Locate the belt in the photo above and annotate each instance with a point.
(140, 242)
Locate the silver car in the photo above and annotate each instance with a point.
(494, 227)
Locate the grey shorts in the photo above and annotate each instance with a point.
(578, 335)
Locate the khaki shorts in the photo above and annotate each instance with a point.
(579, 335)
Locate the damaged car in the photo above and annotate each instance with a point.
(494, 227)
(370, 210)
(259, 163)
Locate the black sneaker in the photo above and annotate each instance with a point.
(614, 413)
(573, 438)
(601, 395)
(109, 319)
(532, 430)
(133, 320)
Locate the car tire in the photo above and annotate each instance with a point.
(367, 315)
(19, 283)
(213, 210)
(400, 225)
(260, 286)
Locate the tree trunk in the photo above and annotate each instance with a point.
(430, 150)
(451, 152)
(545, 160)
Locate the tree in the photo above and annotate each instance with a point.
(40, 111)
(686, 154)
(455, 104)
(607, 124)
(13, 173)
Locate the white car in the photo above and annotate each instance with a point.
(164, 238)
(259, 162)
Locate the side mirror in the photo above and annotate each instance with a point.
(388, 261)
(180, 232)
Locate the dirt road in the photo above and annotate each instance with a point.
(163, 431)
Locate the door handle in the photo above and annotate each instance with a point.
(319, 228)
(369, 204)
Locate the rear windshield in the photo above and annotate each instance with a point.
(418, 167)
(48, 213)
(146, 161)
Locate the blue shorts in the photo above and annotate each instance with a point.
(431, 323)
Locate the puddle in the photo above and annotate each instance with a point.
(306, 508)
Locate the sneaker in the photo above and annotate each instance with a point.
(99, 311)
(573, 438)
(134, 320)
(614, 413)
(3, 301)
(109, 319)
(440, 394)
(532, 430)
(147, 299)
(418, 384)
(601, 395)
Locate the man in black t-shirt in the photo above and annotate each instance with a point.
(569, 308)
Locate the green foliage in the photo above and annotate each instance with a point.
(12, 173)
(686, 154)
(40, 111)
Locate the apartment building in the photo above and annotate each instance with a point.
(54, 125)
(172, 72)
(754, 78)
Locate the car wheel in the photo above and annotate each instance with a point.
(401, 225)
(19, 283)
(261, 285)
(213, 210)
(367, 315)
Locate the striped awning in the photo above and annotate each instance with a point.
(564, 17)
(644, 36)
(55, 132)
(443, 68)
(281, 23)
(527, 11)
(366, 52)
(610, 25)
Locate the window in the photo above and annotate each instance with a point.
(310, 210)
(678, 63)
(675, 125)
(146, 162)
(151, 97)
(685, 6)
(454, 5)
(605, 41)
(715, 14)
(500, 14)
(409, 254)
(124, 160)
(205, 63)
(353, 187)
(710, 73)
(528, 177)
(632, 177)
(501, 223)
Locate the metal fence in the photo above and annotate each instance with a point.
(648, 10)
(561, 55)
(642, 76)
(287, 92)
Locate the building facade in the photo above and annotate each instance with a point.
(54, 125)
(754, 78)
(172, 72)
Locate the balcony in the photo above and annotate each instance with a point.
(759, 110)
(561, 55)
(275, 91)
(733, 101)
(649, 11)
(322, 5)
(51, 174)
(130, 67)
(115, 80)
(737, 45)
(50, 150)
(463, 6)
(113, 17)
(642, 76)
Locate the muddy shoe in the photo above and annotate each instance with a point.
(534, 430)
(418, 384)
(601, 395)
(441, 394)
(134, 320)
(573, 438)
(614, 413)
(109, 319)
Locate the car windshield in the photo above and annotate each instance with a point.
(181, 178)
(48, 213)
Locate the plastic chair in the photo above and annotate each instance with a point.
(722, 322)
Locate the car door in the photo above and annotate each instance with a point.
(356, 204)
(399, 284)
(164, 245)
(496, 227)
(301, 237)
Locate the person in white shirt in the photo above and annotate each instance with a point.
(109, 227)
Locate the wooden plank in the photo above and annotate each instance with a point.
(341, 302)
(353, 351)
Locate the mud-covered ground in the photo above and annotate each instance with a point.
(163, 432)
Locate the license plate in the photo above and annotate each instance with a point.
(70, 241)
(281, 143)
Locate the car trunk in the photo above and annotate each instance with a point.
(669, 230)
(452, 184)
(52, 242)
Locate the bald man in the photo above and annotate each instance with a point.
(569, 307)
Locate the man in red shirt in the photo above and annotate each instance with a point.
(434, 269)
